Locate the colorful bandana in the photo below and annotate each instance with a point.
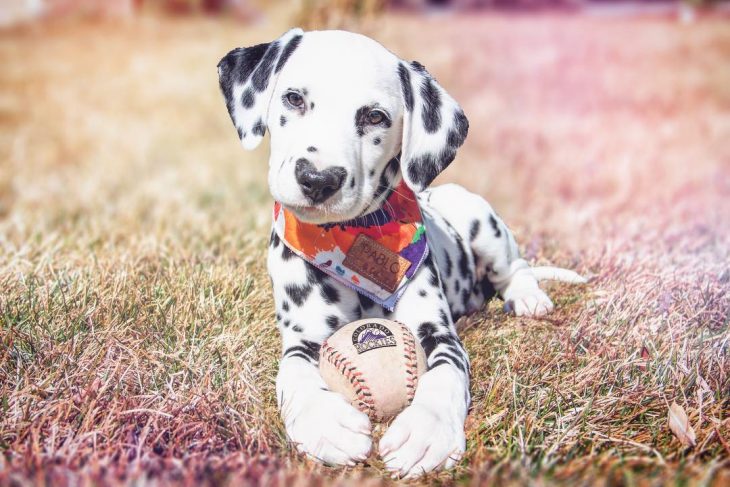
(376, 254)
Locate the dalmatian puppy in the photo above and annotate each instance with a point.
(349, 121)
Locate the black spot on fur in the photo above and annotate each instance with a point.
(458, 132)
(274, 240)
(444, 318)
(360, 115)
(298, 293)
(352, 183)
(465, 298)
(286, 323)
(297, 328)
(247, 98)
(329, 293)
(311, 106)
(240, 132)
(385, 181)
(429, 264)
(314, 275)
(260, 78)
(424, 169)
(474, 230)
(259, 128)
(448, 263)
(333, 322)
(282, 120)
(405, 83)
(434, 278)
(418, 66)
(288, 50)
(426, 329)
(422, 293)
(457, 286)
(495, 226)
(443, 356)
(431, 113)
(429, 341)
(438, 363)
(287, 254)
(307, 348)
(311, 148)
(285, 305)
(313, 347)
(365, 302)
(463, 260)
(278, 317)
(299, 355)
(372, 172)
(376, 141)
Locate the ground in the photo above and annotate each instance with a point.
(136, 320)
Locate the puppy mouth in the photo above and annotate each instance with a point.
(307, 212)
(318, 214)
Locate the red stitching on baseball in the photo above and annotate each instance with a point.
(352, 374)
(411, 359)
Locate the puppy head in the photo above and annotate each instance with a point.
(347, 118)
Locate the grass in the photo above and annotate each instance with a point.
(136, 322)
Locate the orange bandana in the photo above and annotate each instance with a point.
(376, 254)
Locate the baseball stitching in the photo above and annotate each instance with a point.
(411, 358)
(353, 375)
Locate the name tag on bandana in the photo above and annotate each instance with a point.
(377, 254)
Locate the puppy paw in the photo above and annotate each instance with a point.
(422, 440)
(329, 429)
(528, 300)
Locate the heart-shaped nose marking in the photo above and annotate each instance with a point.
(316, 185)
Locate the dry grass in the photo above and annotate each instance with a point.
(137, 330)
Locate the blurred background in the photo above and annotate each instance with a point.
(137, 325)
(565, 96)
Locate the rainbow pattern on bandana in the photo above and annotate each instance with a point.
(397, 225)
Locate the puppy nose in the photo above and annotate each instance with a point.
(318, 185)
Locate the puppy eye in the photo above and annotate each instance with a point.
(375, 117)
(294, 99)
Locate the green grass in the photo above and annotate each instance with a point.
(136, 322)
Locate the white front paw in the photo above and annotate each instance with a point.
(421, 440)
(327, 428)
(523, 297)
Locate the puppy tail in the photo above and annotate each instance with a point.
(547, 273)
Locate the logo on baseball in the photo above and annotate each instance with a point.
(381, 382)
(371, 336)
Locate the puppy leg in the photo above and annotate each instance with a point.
(498, 260)
(496, 255)
(320, 423)
(429, 434)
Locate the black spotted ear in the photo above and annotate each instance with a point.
(247, 78)
(434, 126)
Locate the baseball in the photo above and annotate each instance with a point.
(375, 364)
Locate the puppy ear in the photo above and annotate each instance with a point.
(247, 78)
(434, 126)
